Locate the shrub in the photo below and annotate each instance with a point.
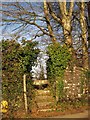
(17, 60)
(59, 56)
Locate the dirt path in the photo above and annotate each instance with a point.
(78, 115)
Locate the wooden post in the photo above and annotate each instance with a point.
(25, 95)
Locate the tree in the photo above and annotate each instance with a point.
(45, 21)
(27, 17)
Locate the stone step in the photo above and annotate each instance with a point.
(44, 99)
(45, 104)
(47, 110)
(42, 92)
(40, 82)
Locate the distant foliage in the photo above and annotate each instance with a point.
(17, 59)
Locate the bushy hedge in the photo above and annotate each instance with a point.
(59, 56)
(17, 60)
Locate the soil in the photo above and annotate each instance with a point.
(46, 114)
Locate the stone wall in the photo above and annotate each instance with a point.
(75, 83)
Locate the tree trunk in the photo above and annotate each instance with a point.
(25, 95)
(67, 31)
(84, 35)
(66, 21)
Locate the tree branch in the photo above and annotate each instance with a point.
(52, 36)
(53, 14)
(71, 8)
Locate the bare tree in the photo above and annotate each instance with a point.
(25, 16)
(64, 20)
(44, 19)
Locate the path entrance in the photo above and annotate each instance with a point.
(43, 98)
